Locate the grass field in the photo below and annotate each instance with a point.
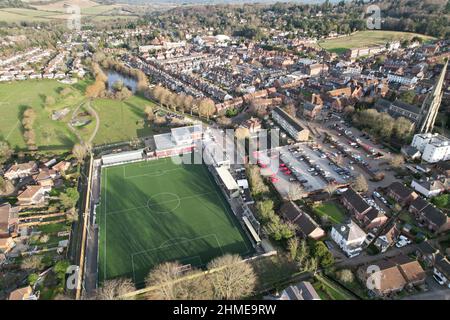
(332, 211)
(366, 39)
(119, 120)
(17, 96)
(158, 211)
(56, 12)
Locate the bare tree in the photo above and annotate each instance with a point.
(397, 161)
(79, 151)
(242, 133)
(206, 108)
(233, 279)
(114, 289)
(5, 152)
(360, 184)
(295, 191)
(330, 189)
(31, 263)
(346, 276)
(163, 276)
(149, 114)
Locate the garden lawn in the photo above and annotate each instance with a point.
(332, 211)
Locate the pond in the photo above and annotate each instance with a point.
(114, 76)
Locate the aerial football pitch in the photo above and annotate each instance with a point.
(156, 211)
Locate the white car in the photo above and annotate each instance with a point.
(311, 169)
(376, 194)
(438, 279)
(403, 241)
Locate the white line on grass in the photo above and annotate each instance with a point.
(159, 203)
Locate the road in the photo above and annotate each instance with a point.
(364, 258)
(442, 294)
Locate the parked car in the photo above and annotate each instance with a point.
(403, 241)
(438, 279)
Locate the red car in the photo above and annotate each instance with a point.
(282, 165)
(287, 173)
(274, 179)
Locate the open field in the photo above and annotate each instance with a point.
(119, 120)
(366, 39)
(50, 134)
(158, 211)
(57, 12)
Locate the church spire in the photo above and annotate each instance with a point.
(432, 102)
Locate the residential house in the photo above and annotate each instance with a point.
(300, 291)
(427, 214)
(349, 237)
(45, 178)
(442, 268)
(21, 170)
(429, 188)
(388, 238)
(253, 125)
(32, 195)
(9, 220)
(368, 216)
(443, 168)
(427, 253)
(393, 275)
(6, 244)
(307, 227)
(25, 293)
(400, 193)
(354, 203)
(310, 111)
(61, 167)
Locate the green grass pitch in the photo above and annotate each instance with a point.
(157, 211)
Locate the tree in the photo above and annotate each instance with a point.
(232, 278)
(79, 151)
(302, 254)
(324, 257)
(265, 210)
(293, 244)
(257, 184)
(360, 184)
(330, 189)
(397, 161)
(149, 114)
(31, 263)
(114, 289)
(242, 133)
(295, 191)
(5, 152)
(70, 198)
(206, 108)
(163, 276)
(346, 276)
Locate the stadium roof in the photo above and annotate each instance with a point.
(227, 178)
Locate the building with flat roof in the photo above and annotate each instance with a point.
(178, 141)
(434, 147)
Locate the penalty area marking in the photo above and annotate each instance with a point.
(168, 244)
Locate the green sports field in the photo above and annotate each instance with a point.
(158, 211)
